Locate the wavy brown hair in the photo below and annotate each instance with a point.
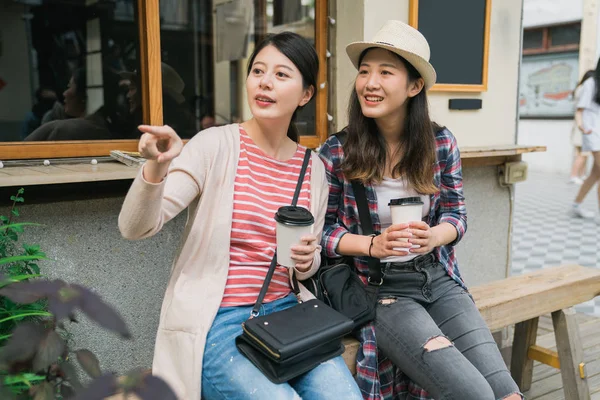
(366, 151)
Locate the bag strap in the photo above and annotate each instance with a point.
(366, 223)
(267, 282)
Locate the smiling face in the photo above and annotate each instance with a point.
(274, 86)
(383, 86)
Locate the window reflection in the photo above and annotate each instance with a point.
(66, 67)
(70, 70)
(208, 42)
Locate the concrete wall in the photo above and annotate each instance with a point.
(82, 236)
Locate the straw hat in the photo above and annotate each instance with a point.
(404, 40)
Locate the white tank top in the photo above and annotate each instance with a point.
(393, 189)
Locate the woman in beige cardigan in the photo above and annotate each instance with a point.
(206, 302)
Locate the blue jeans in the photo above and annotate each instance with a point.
(420, 301)
(227, 374)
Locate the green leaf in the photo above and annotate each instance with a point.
(4, 218)
(31, 249)
(20, 224)
(35, 268)
(12, 259)
(15, 212)
(17, 278)
(27, 314)
(23, 378)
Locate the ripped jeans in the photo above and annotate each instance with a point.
(419, 301)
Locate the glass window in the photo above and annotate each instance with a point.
(565, 35)
(205, 46)
(69, 70)
(533, 39)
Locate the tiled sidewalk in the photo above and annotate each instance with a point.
(545, 234)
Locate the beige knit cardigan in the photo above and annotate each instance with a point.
(202, 179)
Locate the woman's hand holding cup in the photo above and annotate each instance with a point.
(303, 254)
(393, 241)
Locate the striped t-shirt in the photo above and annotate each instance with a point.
(262, 185)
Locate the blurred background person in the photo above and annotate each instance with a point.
(578, 169)
(45, 98)
(75, 98)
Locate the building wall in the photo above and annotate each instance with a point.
(555, 135)
(544, 12)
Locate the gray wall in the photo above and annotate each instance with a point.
(83, 238)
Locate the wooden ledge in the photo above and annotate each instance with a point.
(495, 155)
(39, 174)
(35, 173)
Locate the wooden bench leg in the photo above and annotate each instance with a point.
(570, 354)
(521, 367)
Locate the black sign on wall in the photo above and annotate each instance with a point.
(458, 34)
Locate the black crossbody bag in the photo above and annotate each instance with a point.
(337, 282)
(288, 343)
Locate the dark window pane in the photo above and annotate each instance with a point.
(296, 16)
(187, 67)
(67, 72)
(533, 39)
(209, 59)
(565, 35)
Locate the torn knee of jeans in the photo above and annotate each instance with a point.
(387, 301)
(436, 343)
(513, 396)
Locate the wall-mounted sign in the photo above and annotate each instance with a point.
(458, 33)
(546, 85)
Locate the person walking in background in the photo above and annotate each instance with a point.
(587, 118)
(580, 158)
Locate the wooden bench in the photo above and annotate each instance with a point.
(521, 300)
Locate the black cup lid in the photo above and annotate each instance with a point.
(290, 215)
(405, 201)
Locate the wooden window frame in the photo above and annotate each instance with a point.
(547, 47)
(151, 85)
(413, 20)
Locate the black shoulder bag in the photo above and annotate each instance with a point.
(288, 343)
(338, 284)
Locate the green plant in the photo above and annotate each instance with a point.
(17, 264)
(35, 357)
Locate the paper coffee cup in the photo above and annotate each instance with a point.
(405, 210)
(292, 223)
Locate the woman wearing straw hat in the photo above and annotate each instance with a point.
(427, 324)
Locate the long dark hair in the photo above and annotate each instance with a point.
(597, 79)
(365, 150)
(302, 54)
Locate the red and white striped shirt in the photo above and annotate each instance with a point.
(262, 185)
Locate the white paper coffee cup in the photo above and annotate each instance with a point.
(292, 224)
(405, 210)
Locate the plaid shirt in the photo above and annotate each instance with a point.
(377, 377)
